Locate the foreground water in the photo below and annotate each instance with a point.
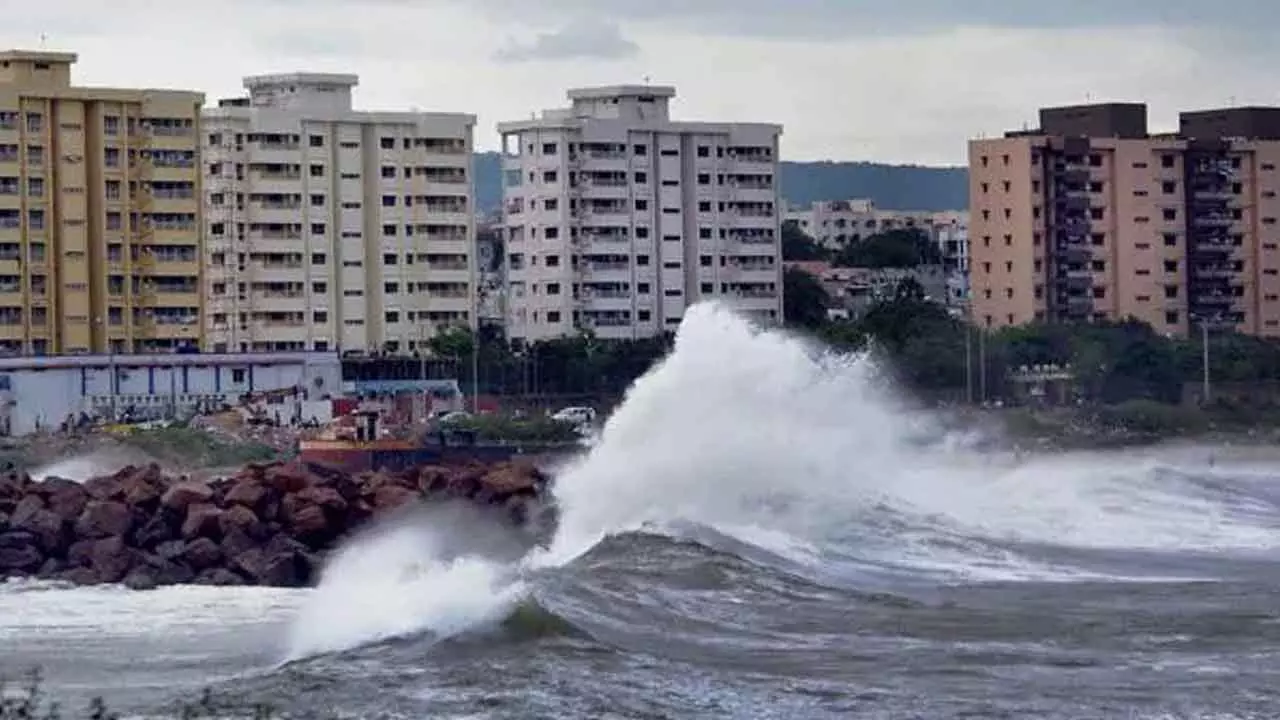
(759, 533)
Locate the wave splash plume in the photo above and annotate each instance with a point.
(803, 469)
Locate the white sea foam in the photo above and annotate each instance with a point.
(778, 444)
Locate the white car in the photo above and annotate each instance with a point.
(576, 415)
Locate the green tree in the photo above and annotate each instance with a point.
(453, 342)
(903, 248)
(804, 300)
(798, 245)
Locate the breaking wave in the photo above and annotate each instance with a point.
(798, 471)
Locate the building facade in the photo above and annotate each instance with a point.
(1090, 217)
(618, 218)
(330, 228)
(837, 223)
(44, 393)
(99, 213)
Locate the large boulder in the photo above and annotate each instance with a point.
(287, 478)
(12, 486)
(183, 495)
(45, 525)
(240, 517)
(110, 559)
(248, 492)
(19, 552)
(203, 520)
(201, 554)
(64, 498)
(104, 518)
(391, 497)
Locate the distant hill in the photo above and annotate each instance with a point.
(892, 187)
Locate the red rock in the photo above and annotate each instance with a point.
(54, 485)
(137, 493)
(219, 577)
(433, 478)
(202, 520)
(12, 485)
(287, 478)
(391, 497)
(102, 488)
(185, 494)
(241, 518)
(202, 553)
(236, 541)
(44, 524)
(28, 505)
(326, 497)
(19, 551)
(249, 493)
(102, 519)
(512, 477)
(67, 501)
(309, 521)
(111, 559)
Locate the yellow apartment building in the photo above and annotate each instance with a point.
(1090, 217)
(100, 213)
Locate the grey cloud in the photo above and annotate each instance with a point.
(578, 40)
(849, 18)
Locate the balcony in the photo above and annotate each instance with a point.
(1212, 220)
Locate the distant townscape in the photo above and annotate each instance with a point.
(281, 233)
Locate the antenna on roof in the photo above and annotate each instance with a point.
(646, 79)
(43, 40)
(1088, 97)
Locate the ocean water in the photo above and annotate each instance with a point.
(760, 531)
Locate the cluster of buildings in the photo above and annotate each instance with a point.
(139, 226)
(834, 224)
(1091, 216)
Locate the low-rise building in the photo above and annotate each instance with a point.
(45, 392)
(855, 289)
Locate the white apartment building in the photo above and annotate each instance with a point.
(329, 228)
(618, 218)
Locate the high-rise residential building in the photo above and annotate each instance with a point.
(618, 218)
(99, 213)
(331, 228)
(1090, 217)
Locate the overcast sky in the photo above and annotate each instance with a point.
(904, 81)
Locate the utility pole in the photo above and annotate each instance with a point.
(982, 366)
(1204, 362)
(475, 373)
(968, 363)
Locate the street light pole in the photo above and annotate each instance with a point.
(968, 363)
(475, 373)
(1204, 362)
(982, 366)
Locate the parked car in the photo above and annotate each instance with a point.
(577, 415)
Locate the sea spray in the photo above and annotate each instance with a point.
(437, 570)
(779, 444)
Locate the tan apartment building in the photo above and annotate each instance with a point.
(1090, 217)
(330, 227)
(99, 213)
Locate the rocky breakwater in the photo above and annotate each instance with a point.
(269, 524)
